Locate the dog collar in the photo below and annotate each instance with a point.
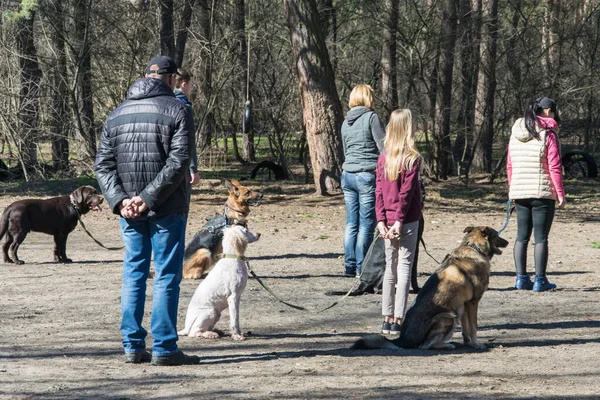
(74, 204)
(477, 249)
(233, 221)
(234, 256)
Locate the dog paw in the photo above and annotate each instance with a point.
(210, 335)
(237, 337)
(67, 261)
(478, 346)
(19, 262)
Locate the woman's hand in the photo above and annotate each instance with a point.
(382, 228)
(562, 202)
(394, 231)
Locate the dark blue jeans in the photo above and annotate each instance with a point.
(165, 237)
(359, 196)
(533, 215)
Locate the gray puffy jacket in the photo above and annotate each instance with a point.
(145, 150)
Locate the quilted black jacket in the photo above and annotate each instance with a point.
(145, 150)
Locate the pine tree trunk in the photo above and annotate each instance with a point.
(185, 19)
(389, 81)
(486, 89)
(167, 34)
(321, 106)
(239, 26)
(59, 113)
(205, 128)
(443, 144)
(83, 95)
(470, 35)
(29, 100)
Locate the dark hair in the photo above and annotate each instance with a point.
(534, 109)
(183, 75)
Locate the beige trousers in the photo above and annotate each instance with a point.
(399, 256)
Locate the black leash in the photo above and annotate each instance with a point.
(94, 239)
(294, 306)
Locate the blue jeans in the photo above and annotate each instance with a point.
(165, 236)
(359, 196)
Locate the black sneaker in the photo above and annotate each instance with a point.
(385, 328)
(137, 358)
(394, 329)
(177, 358)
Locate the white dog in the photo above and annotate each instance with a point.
(222, 288)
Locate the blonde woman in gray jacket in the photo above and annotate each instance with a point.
(362, 137)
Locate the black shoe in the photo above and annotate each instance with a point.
(177, 358)
(350, 274)
(394, 329)
(137, 358)
(385, 328)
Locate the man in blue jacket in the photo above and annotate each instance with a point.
(142, 167)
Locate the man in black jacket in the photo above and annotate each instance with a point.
(142, 167)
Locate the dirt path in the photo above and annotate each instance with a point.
(59, 324)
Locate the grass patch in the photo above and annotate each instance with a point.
(596, 245)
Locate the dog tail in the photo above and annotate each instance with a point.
(4, 223)
(374, 342)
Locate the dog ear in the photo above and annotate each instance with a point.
(78, 194)
(229, 186)
(468, 229)
(235, 183)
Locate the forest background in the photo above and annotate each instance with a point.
(466, 68)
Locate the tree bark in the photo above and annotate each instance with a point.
(82, 94)
(321, 106)
(59, 121)
(167, 35)
(389, 81)
(241, 49)
(443, 144)
(470, 29)
(29, 95)
(486, 89)
(207, 121)
(184, 21)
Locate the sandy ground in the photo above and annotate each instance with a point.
(59, 323)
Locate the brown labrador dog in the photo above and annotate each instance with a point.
(451, 294)
(56, 216)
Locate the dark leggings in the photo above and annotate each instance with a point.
(533, 215)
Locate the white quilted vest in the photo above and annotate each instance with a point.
(530, 176)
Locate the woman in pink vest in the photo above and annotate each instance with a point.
(535, 183)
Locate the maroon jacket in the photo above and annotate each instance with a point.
(399, 200)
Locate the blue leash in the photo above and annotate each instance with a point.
(508, 212)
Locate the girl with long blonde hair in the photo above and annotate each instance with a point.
(398, 205)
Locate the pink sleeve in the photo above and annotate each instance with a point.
(379, 207)
(508, 166)
(555, 164)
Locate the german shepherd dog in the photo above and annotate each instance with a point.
(201, 253)
(450, 295)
